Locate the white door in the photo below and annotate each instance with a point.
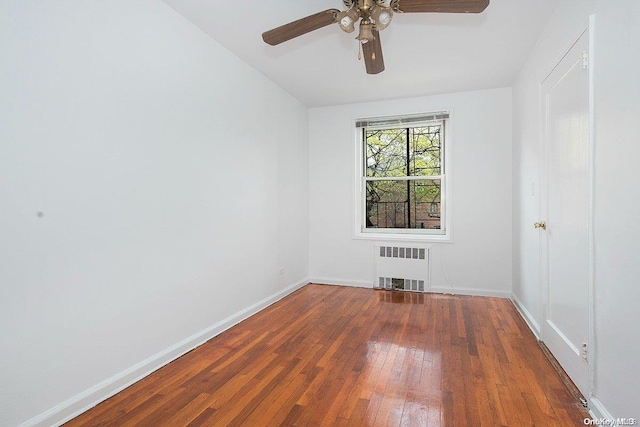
(565, 207)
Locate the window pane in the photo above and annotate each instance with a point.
(386, 152)
(403, 204)
(403, 152)
(425, 151)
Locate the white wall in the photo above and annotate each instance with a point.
(479, 259)
(616, 205)
(172, 179)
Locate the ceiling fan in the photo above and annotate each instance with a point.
(374, 16)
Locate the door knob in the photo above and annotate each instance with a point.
(540, 224)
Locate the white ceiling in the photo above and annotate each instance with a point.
(424, 54)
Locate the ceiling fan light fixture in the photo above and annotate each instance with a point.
(382, 16)
(371, 17)
(366, 32)
(347, 19)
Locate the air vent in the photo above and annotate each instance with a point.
(402, 252)
(402, 268)
(398, 284)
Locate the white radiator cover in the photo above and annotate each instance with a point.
(401, 267)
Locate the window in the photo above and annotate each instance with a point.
(403, 176)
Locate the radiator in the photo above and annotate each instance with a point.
(404, 268)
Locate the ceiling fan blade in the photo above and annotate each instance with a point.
(443, 6)
(372, 51)
(300, 27)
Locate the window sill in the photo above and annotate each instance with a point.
(402, 237)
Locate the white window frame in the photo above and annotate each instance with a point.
(402, 234)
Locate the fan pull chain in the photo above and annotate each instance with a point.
(359, 51)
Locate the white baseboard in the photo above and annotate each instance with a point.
(526, 315)
(80, 403)
(352, 283)
(597, 409)
(471, 292)
(456, 291)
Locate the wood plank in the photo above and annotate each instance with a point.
(329, 355)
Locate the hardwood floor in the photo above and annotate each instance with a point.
(340, 356)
